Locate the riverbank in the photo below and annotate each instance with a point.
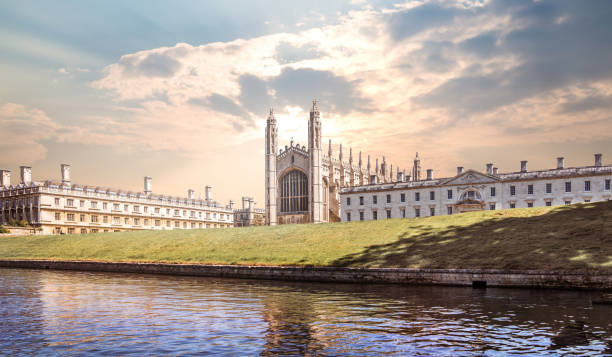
(592, 280)
(563, 238)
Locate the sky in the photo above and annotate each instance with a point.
(180, 90)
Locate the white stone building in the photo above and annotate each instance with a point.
(303, 184)
(249, 215)
(63, 207)
(472, 190)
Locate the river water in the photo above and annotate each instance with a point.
(73, 313)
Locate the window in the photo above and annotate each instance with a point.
(70, 230)
(136, 209)
(432, 195)
(105, 219)
(548, 203)
(374, 215)
(116, 206)
(567, 202)
(70, 217)
(417, 212)
(83, 230)
(146, 209)
(449, 209)
(82, 218)
(417, 196)
(449, 194)
(530, 189)
(168, 223)
(568, 187)
(607, 184)
(348, 201)
(587, 186)
(388, 213)
(403, 197)
(177, 224)
(529, 204)
(512, 205)
(512, 190)
(126, 220)
(388, 198)
(177, 212)
(403, 210)
(294, 192)
(70, 202)
(157, 223)
(136, 221)
(94, 219)
(81, 203)
(492, 206)
(58, 216)
(361, 200)
(432, 211)
(126, 207)
(104, 205)
(167, 211)
(587, 201)
(374, 199)
(361, 216)
(57, 201)
(116, 220)
(492, 191)
(95, 230)
(156, 210)
(348, 216)
(549, 188)
(93, 204)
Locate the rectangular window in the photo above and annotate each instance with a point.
(57, 201)
(70, 217)
(104, 205)
(94, 219)
(58, 216)
(417, 196)
(157, 223)
(530, 189)
(449, 210)
(492, 206)
(136, 209)
(587, 201)
(403, 212)
(512, 205)
(549, 188)
(348, 216)
(70, 202)
(361, 216)
(568, 202)
(512, 190)
(146, 209)
(93, 204)
(587, 186)
(70, 230)
(361, 200)
(348, 201)
(402, 197)
(157, 210)
(568, 187)
(388, 213)
(136, 221)
(548, 203)
(417, 212)
(374, 199)
(388, 198)
(126, 220)
(116, 220)
(529, 204)
(82, 218)
(607, 185)
(126, 207)
(83, 230)
(116, 206)
(432, 195)
(432, 211)
(375, 215)
(81, 203)
(449, 194)
(492, 191)
(105, 219)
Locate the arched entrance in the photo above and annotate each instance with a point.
(469, 200)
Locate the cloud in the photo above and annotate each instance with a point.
(150, 65)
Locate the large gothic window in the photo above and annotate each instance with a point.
(294, 192)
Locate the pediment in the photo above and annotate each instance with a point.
(471, 177)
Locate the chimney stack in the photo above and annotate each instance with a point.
(495, 171)
(429, 174)
(26, 174)
(65, 168)
(208, 193)
(597, 159)
(400, 176)
(373, 180)
(524, 166)
(5, 177)
(489, 169)
(459, 170)
(231, 204)
(407, 177)
(148, 185)
(191, 194)
(251, 203)
(559, 163)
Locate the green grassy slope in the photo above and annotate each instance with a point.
(564, 237)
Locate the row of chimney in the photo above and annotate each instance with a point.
(490, 170)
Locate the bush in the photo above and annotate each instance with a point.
(4, 230)
(22, 223)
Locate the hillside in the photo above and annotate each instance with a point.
(563, 237)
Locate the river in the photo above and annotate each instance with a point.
(46, 312)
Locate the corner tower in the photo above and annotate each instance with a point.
(314, 151)
(271, 149)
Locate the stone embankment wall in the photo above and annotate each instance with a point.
(460, 277)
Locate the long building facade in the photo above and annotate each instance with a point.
(61, 207)
(303, 184)
(471, 190)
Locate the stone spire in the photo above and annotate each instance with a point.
(340, 155)
(377, 168)
(416, 169)
(360, 162)
(271, 150)
(271, 118)
(369, 165)
(329, 149)
(351, 156)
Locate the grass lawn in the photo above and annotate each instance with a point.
(563, 237)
